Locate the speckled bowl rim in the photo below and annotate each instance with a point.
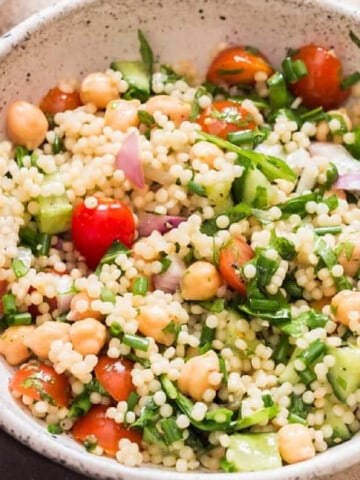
(21, 426)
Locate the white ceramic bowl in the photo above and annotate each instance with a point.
(79, 36)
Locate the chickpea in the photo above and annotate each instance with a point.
(77, 310)
(351, 265)
(194, 377)
(122, 114)
(152, 320)
(40, 339)
(200, 281)
(177, 110)
(344, 304)
(88, 336)
(99, 89)
(26, 124)
(12, 345)
(295, 443)
(206, 152)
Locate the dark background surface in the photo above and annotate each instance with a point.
(19, 462)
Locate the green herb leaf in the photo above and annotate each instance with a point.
(195, 107)
(145, 118)
(146, 52)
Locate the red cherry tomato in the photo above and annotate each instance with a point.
(58, 101)
(3, 289)
(223, 117)
(114, 374)
(95, 229)
(235, 253)
(40, 382)
(237, 65)
(107, 433)
(321, 86)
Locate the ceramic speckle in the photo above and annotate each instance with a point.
(78, 36)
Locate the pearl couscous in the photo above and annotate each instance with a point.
(179, 262)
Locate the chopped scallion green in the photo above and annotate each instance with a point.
(141, 286)
(136, 342)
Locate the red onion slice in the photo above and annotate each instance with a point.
(351, 181)
(169, 281)
(128, 160)
(148, 222)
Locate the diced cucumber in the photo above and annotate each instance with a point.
(219, 196)
(234, 334)
(341, 432)
(55, 212)
(252, 452)
(290, 374)
(136, 75)
(344, 376)
(253, 188)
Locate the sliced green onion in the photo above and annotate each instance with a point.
(165, 264)
(354, 38)
(278, 93)
(116, 249)
(44, 243)
(332, 202)
(29, 237)
(222, 366)
(325, 230)
(314, 115)
(219, 415)
(294, 69)
(293, 418)
(132, 400)
(19, 268)
(20, 153)
(263, 304)
(22, 318)
(350, 80)
(266, 268)
(331, 177)
(297, 205)
(57, 146)
(307, 376)
(172, 432)
(196, 188)
(267, 400)
(115, 329)
(282, 350)
(54, 429)
(215, 306)
(141, 286)
(136, 342)
(313, 352)
(241, 137)
(326, 254)
(8, 303)
(80, 406)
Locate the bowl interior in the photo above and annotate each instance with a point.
(78, 36)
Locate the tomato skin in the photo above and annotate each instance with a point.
(234, 118)
(321, 86)
(233, 254)
(114, 374)
(3, 289)
(107, 432)
(95, 229)
(244, 62)
(42, 381)
(56, 101)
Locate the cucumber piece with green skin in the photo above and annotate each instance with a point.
(254, 189)
(136, 75)
(55, 212)
(290, 374)
(251, 452)
(219, 197)
(344, 376)
(341, 432)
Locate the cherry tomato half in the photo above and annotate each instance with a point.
(237, 65)
(95, 229)
(40, 382)
(223, 117)
(114, 374)
(321, 86)
(107, 433)
(56, 101)
(235, 253)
